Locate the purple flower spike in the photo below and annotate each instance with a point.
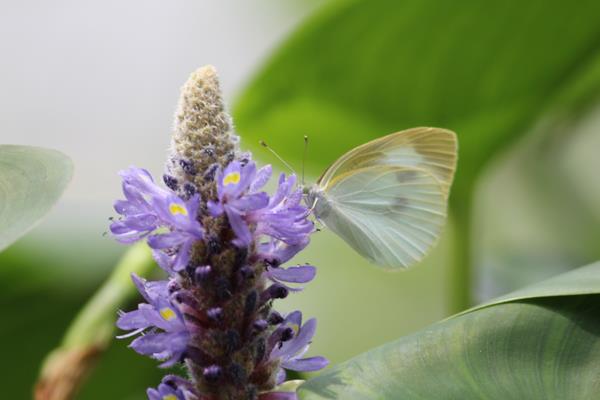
(223, 241)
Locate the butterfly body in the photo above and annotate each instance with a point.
(387, 198)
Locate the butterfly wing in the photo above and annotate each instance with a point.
(433, 150)
(390, 215)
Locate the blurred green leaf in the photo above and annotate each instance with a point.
(92, 331)
(487, 70)
(542, 342)
(31, 181)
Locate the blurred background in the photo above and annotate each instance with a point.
(100, 81)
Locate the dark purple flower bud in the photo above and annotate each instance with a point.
(170, 181)
(251, 301)
(275, 291)
(232, 341)
(198, 356)
(209, 151)
(247, 272)
(187, 167)
(260, 325)
(215, 314)
(189, 190)
(241, 257)
(212, 373)
(209, 174)
(173, 286)
(251, 392)
(275, 318)
(237, 374)
(222, 288)
(214, 245)
(260, 350)
(279, 335)
(202, 273)
(287, 334)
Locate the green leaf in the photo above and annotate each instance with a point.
(31, 181)
(488, 70)
(541, 342)
(359, 70)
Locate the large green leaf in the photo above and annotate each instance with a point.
(488, 70)
(31, 181)
(542, 342)
(359, 70)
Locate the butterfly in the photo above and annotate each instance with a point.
(387, 198)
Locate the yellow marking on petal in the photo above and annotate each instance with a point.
(175, 209)
(167, 313)
(231, 178)
(295, 328)
(169, 397)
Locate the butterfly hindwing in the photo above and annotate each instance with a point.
(390, 215)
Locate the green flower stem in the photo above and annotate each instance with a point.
(92, 330)
(461, 272)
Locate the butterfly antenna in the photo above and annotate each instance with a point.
(266, 146)
(304, 157)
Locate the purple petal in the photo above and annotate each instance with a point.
(276, 252)
(163, 260)
(248, 172)
(306, 364)
(281, 376)
(153, 394)
(293, 318)
(183, 256)
(215, 209)
(251, 202)
(299, 274)
(239, 227)
(140, 284)
(167, 240)
(299, 342)
(176, 213)
(152, 315)
(132, 320)
(262, 177)
(153, 344)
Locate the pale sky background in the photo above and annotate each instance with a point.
(100, 82)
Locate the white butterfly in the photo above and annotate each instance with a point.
(388, 198)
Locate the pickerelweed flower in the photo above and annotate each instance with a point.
(222, 240)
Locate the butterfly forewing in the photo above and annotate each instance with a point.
(390, 215)
(433, 150)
